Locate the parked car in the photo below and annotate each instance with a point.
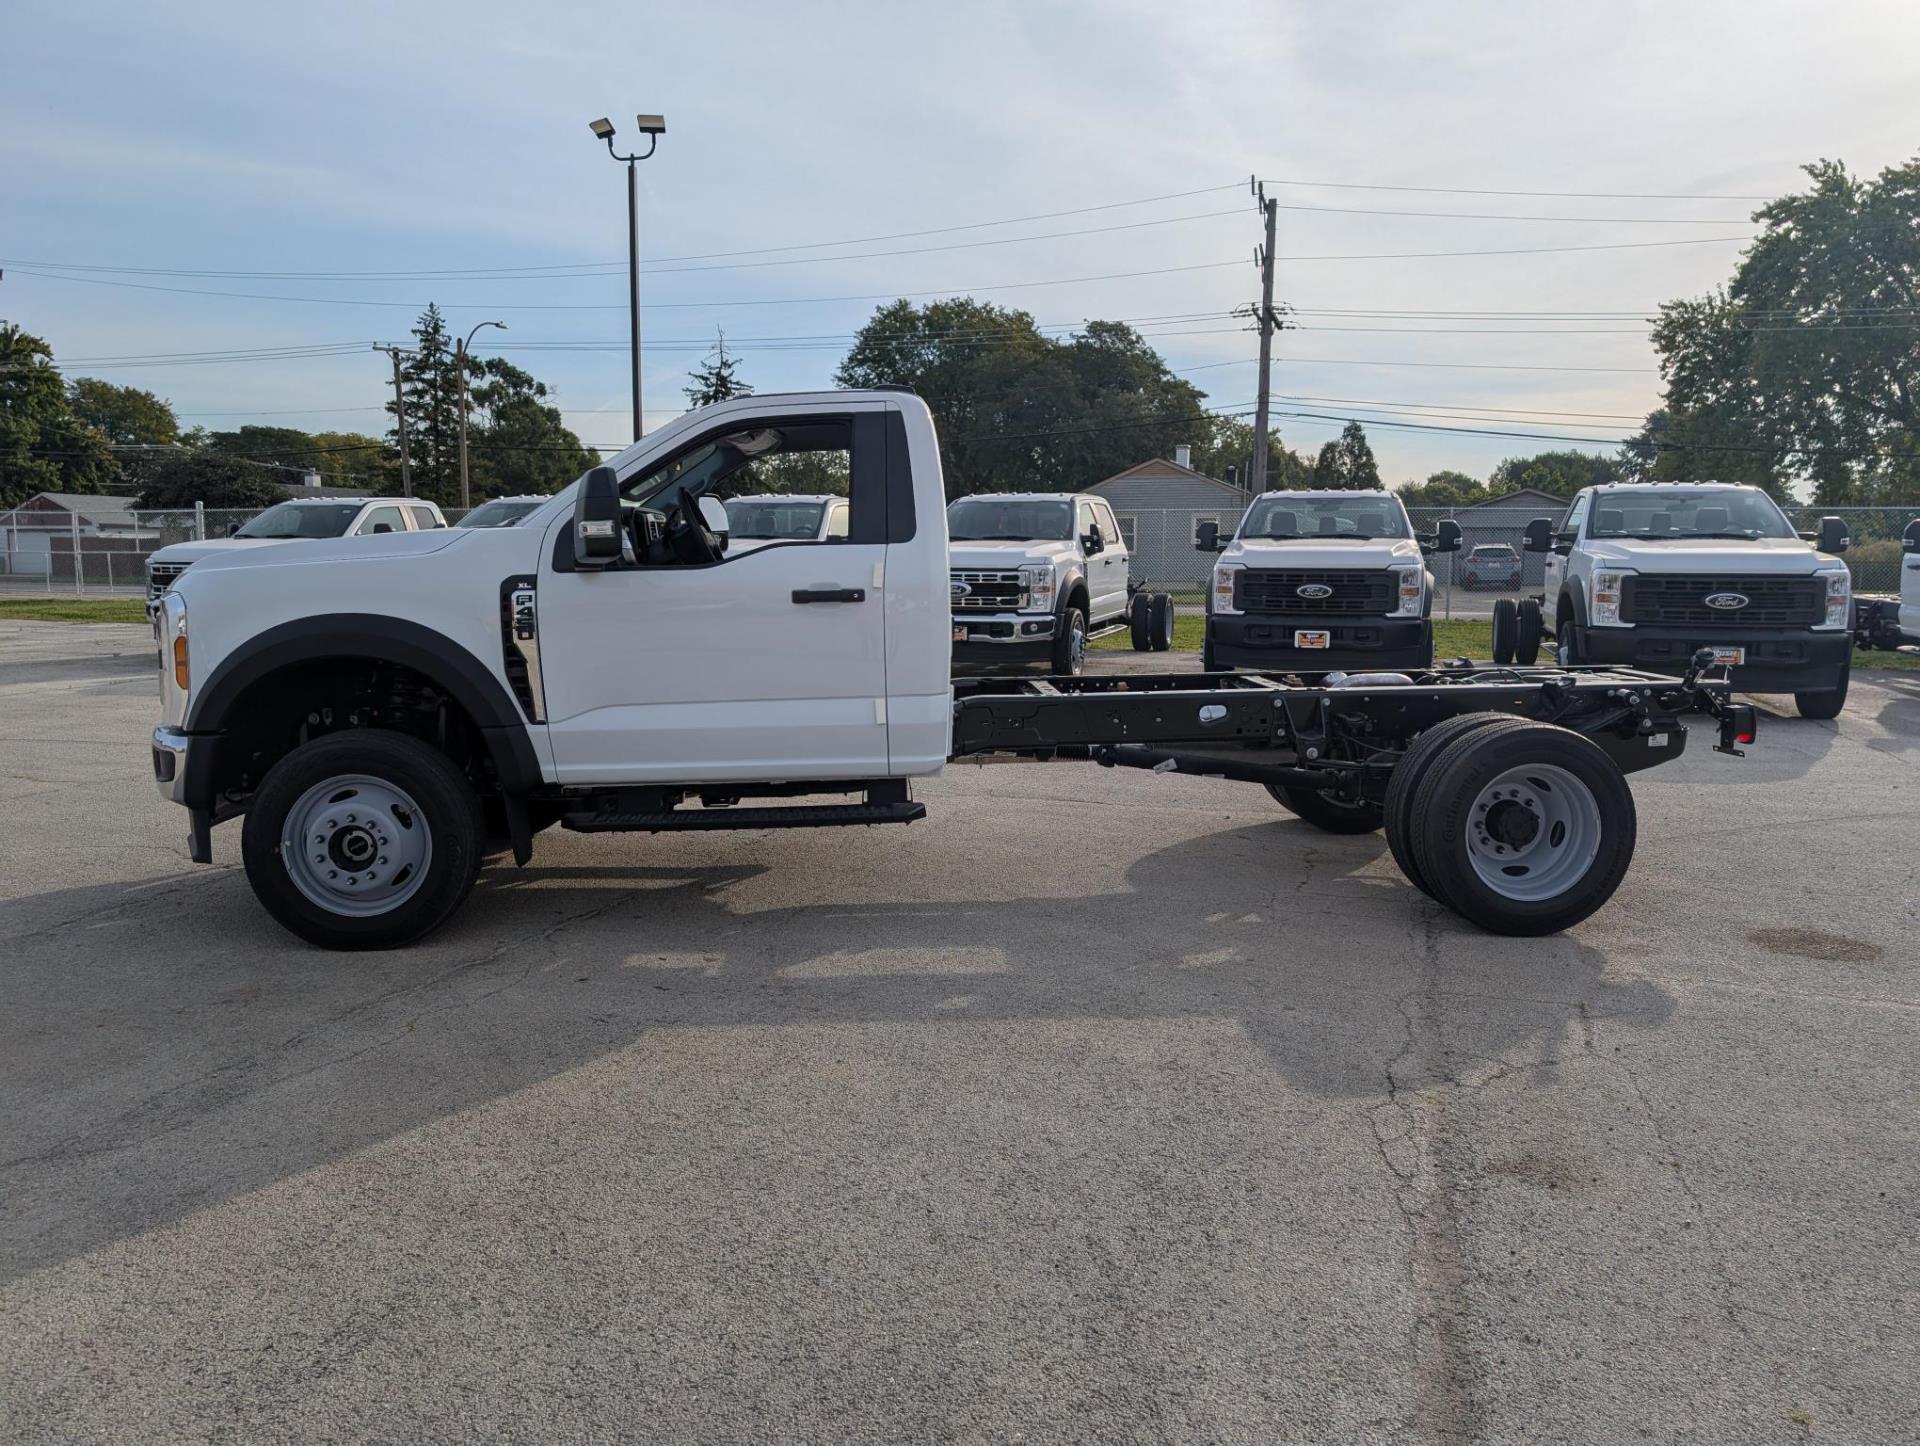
(1491, 564)
(1319, 581)
(1037, 575)
(785, 517)
(294, 520)
(501, 511)
(1649, 573)
(1882, 620)
(383, 713)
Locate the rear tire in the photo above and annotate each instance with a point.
(1326, 812)
(1407, 777)
(1070, 643)
(1140, 621)
(1506, 631)
(1162, 622)
(1531, 628)
(1828, 702)
(1524, 830)
(388, 833)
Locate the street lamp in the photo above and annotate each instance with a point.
(460, 361)
(652, 127)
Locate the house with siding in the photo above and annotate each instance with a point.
(1158, 504)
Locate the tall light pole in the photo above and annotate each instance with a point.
(652, 127)
(460, 360)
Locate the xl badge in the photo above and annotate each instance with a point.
(1314, 590)
(1727, 602)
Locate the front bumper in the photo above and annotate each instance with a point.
(994, 639)
(170, 763)
(1779, 660)
(1370, 644)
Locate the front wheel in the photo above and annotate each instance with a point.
(362, 840)
(1070, 643)
(1324, 811)
(1827, 702)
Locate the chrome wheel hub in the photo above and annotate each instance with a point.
(1533, 832)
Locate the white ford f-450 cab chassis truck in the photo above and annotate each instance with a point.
(384, 713)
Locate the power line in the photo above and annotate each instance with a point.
(1564, 195)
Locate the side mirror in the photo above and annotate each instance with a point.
(1092, 545)
(713, 513)
(1833, 535)
(1206, 537)
(596, 519)
(1538, 536)
(1910, 539)
(1446, 535)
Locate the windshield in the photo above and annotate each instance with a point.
(993, 519)
(1356, 517)
(1653, 513)
(497, 514)
(302, 519)
(773, 518)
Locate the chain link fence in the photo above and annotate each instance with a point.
(97, 546)
(1491, 563)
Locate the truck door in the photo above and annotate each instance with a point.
(1117, 556)
(1556, 563)
(768, 663)
(1100, 604)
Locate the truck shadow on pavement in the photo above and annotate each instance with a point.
(148, 1083)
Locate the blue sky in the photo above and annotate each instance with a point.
(216, 137)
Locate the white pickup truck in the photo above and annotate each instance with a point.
(1319, 581)
(1036, 576)
(292, 521)
(384, 713)
(1648, 573)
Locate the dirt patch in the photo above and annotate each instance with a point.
(1812, 944)
(1539, 1170)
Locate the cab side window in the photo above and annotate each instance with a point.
(1083, 522)
(837, 521)
(1576, 514)
(382, 519)
(424, 520)
(1109, 529)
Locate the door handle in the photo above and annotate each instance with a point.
(829, 594)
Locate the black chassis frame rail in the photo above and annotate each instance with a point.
(1334, 737)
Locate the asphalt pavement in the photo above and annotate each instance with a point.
(1097, 1105)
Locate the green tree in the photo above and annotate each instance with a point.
(1560, 473)
(516, 441)
(717, 378)
(1444, 489)
(123, 414)
(1808, 364)
(44, 446)
(1347, 464)
(181, 476)
(284, 446)
(1228, 442)
(353, 459)
(1017, 408)
(430, 382)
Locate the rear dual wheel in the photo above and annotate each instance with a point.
(1520, 827)
(1150, 620)
(1517, 630)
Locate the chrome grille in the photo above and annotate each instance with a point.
(988, 592)
(1266, 590)
(1772, 602)
(163, 575)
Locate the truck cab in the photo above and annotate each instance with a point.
(291, 521)
(1647, 573)
(1315, 581)
(1034, 577)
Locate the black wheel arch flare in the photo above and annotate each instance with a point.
(432, 654)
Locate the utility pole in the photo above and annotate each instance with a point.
(1257, 480)
(400, 417)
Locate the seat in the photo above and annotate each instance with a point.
(1611, 520)
(1285, 522)
(1710, 519)
(1661, 522)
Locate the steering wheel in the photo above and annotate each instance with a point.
(688, 535)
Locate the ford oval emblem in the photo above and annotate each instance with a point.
(1727, 602)
(960, 589)
(1314, 590)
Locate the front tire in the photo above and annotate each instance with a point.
(366, 839)
(1070, 643)
(1827, 702)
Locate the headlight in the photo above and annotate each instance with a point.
(170, 629)
(1603, 599)
(1411, 589)
(1038, 583)
(1839, 600)
(1222, 594)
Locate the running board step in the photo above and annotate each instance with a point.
(817, 815)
